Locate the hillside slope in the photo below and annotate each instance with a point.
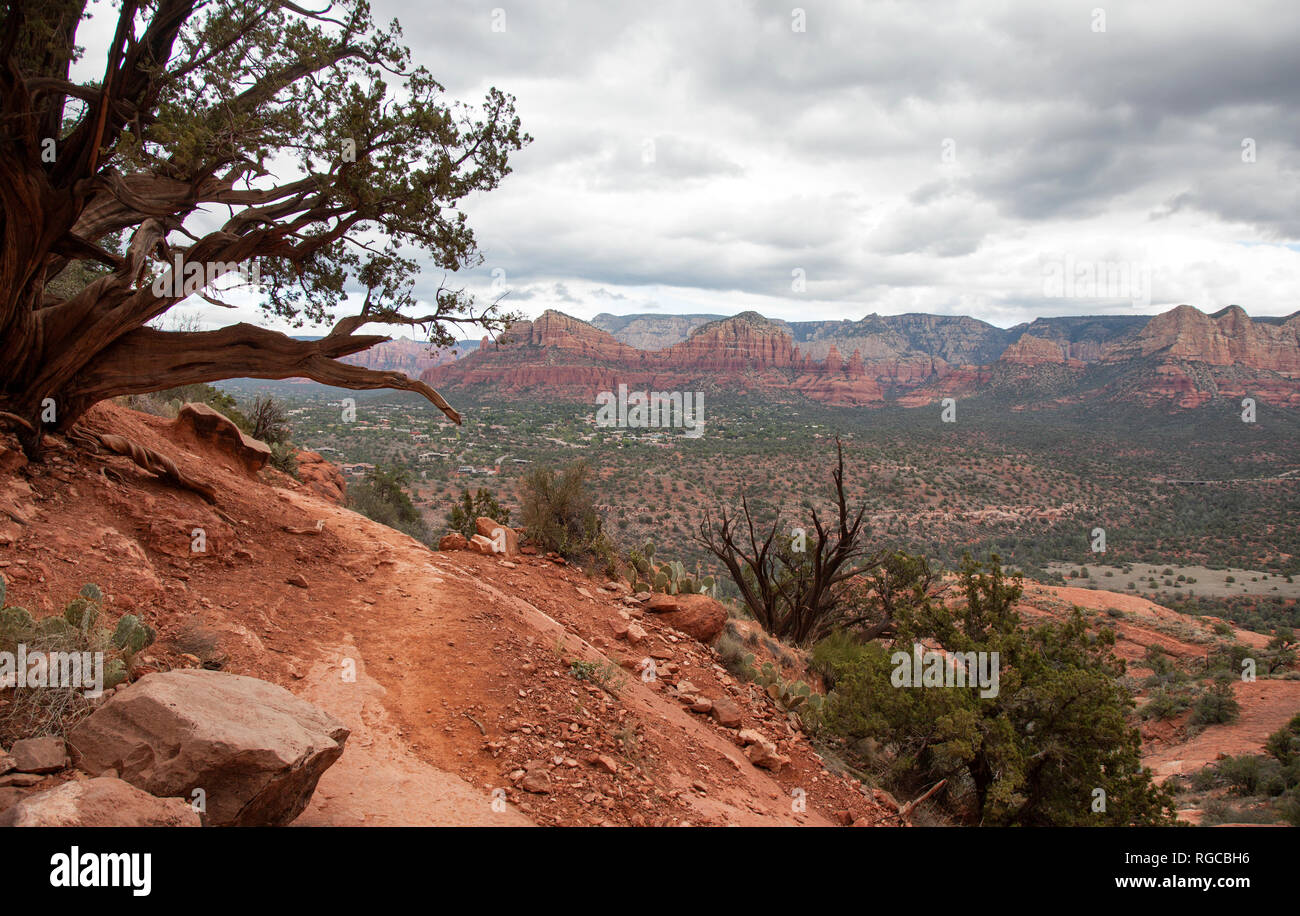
(462, 682)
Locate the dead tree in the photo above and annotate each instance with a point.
(795, 594)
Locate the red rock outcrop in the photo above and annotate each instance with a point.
(1227, 338)
(747, 341)
(214, 432)
(566, 357)
(1033, 351)
(324, 478)
(410, 357)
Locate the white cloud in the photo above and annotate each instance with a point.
(823, 150)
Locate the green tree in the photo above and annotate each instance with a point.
(381, 495)
(1284, 744)
(336, 165)
(471, 507)
(1035, 753)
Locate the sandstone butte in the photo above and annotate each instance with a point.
(1179, 358)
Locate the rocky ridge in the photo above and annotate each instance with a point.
(1181, 358)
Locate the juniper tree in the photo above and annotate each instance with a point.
(1052, 746)
(225, 133)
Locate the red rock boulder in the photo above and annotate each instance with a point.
(254, 750)
(201, 424)
(101, 802)
(453, 541)
(322, 477)
(505, 540)
(695, 615)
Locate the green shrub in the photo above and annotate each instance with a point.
(1165, 703)
(381, 495)
(732, 652)
(1284, 744)
(1216, 706)
(1247, 775)
(284, 457)
(1205, 779)
(1288, 807)
(834, 654)
(559, 514)
(1219, 811)
(606, 676)
(482, 504)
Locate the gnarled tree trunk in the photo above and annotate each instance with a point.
(83, 171)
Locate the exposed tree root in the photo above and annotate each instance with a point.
(153, 462)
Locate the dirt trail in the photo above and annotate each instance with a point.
(441, 650)
(379, 782)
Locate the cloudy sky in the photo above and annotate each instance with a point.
(948, 157)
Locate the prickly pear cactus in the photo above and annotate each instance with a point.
(15, 621)
(114, 672)
(81, 613)
(131, 635)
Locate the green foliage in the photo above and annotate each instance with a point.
(606, 676)
(1251, 775)
(559, 514)
(284, 458)
(363, 168)
(131, 636)
(54, 709)
(1284, 744)
(833, 653)
(1033, 754)
(1216, 706)
(1166, 703)
(15, 621)
(792, 696)
(1288, 808)
(480, 505)
(731, 651)
(81, 613)
(671, 577)
(381, 495)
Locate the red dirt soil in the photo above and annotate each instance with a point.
(461, 662)
(1266, 704)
